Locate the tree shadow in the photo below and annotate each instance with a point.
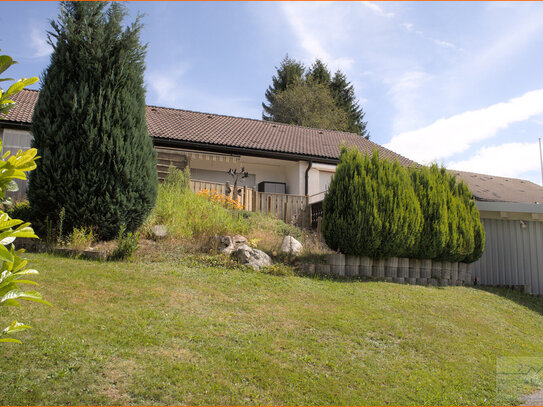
(532, 302)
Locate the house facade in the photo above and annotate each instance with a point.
(297, 160)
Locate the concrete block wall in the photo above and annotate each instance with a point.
(396, 270)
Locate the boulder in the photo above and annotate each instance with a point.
(252, 257)
(291, 245)
(159, 231)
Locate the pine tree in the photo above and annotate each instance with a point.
(343, 92)
(89, 126)
(290, 72)
(319, 73)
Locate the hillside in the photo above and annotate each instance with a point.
(197, 330)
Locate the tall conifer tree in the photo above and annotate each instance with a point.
(89, 126)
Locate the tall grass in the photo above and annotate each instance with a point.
(189, 216)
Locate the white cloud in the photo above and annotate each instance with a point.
(38, 41)
(377, 9)
(405, 94)
(508, 160)
(446, 137)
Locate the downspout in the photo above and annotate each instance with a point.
(307, 177)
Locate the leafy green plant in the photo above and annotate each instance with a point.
(13, 268)
(127, 243)
(80, 238)
(20, 210)
(5, 103)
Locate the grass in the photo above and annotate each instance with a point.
(170, 328)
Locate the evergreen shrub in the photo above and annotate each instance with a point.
(89, 125)
(371, 208)
(379, 209)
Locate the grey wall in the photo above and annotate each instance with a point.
(513, 254)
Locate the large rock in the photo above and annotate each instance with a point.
(159, 231)
(227, 244)
(291, 245)
(252, 257)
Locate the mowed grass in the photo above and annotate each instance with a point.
(182, 330)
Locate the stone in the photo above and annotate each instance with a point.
(238, 239)
(391, 267)
(437, 266)
(291, 245)
(352, 264)
(252, 257)
(337, 264)
(425, 268)
(414, 268)
(322, 269)
(378, 269)
(365, 267)
(403, 267)
(159, 231)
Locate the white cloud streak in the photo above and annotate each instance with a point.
(447, 137)
(38, 42)
(507, 160)
(377, 9)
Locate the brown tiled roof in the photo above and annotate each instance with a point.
(500, 189)
(218, 130)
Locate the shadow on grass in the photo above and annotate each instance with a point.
(532, 302)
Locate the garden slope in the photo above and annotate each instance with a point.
(193, 331)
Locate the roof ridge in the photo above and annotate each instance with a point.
(493, 176)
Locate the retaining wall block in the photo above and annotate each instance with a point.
(365, 267)
(323, 269)
(403, 267)
(414, 268)
(425, 268)
(454, 273)
(337, 264)
(311, 268)
(398, 280)
(352, 265)
(422, 281)
(436, 269)
(391, 267)
(432, 282)
(378, 269)
(412, 281)
(388, 279)
(446, 270)
(442, 282)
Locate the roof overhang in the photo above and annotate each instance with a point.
(510, 210)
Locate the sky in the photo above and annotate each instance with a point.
(456, 83)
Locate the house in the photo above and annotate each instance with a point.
(287, 160)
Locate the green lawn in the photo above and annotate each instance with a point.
(188, 331)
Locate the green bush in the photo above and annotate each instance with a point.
(20, 210)
(371, 208)
(189, 216)
(127, 243)
(431, 189)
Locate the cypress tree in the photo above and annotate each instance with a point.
(89, 126)
(370, 208)
(431, 193)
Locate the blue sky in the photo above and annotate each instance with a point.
(457, 83)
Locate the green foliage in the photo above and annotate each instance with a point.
(89, 124)
(5, 103)
(432, 191)
(309, 105)
(371, 208)
(20, 210)
(189, 216)
(13, 269)
(379, 209)
(127, 243)
(306, 98)
(80, 238)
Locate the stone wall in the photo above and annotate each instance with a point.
(395, 269)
